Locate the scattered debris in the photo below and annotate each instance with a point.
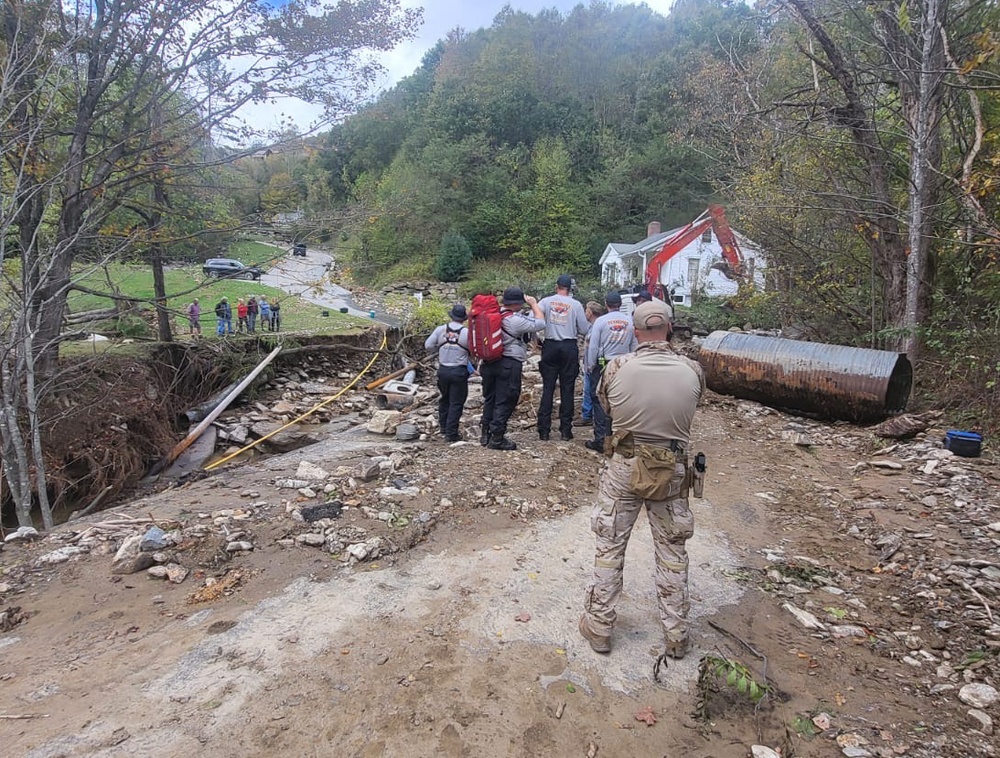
(646, 715)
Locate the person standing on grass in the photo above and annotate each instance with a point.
(194, 318)
(223, 317)
(252, 314)
(276, 316)
(241, 316)
(265, 314)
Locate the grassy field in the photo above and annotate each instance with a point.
(187, 282)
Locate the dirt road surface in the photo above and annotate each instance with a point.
(466, 644)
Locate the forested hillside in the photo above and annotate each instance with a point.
(856, 143)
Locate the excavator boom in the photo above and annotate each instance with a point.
(731, 265)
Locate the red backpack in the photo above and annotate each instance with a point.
(486, 328)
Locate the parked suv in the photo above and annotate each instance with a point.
(299, 248)
(229, 268)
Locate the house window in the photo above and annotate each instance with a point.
(706, 236)
(679, 299)
(693, 265)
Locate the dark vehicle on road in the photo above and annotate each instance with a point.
(299, 248)
(229, 269)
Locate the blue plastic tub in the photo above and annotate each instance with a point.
(965, 444)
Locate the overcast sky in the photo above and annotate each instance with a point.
(440, 17)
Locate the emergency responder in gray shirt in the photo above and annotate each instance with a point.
(612, 334)
(564, 322)
(502, 378)
(451, 341)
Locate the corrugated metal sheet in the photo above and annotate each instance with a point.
(834, 381)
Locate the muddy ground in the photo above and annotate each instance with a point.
(456, 635)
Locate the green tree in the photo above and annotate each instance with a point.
(548, 229)
(454, 258)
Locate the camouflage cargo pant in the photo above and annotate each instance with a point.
(672, 524)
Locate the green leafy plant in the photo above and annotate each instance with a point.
(716, 671)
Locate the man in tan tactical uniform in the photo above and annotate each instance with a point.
(651, 396)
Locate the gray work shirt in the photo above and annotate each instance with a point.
(453, 349)
(612, 334)
(515, 326)
(564, 317)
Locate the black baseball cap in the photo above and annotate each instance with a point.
(564, 280)
(513, 296)
(613, 299)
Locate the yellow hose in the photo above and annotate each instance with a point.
(308, 413)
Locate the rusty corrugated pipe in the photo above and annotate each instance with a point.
(833, 381)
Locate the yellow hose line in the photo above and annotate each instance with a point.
(385, 338)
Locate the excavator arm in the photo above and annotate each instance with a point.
(731, 265)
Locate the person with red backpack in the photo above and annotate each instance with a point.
(451, 341)
(496, 337)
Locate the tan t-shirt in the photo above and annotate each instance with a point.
(652, 393)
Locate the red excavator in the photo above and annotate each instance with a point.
(732, 264)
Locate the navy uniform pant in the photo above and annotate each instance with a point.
(560, 363)
(601, 424)
(453, 384)
(501, 391)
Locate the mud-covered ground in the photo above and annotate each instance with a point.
(456, 634)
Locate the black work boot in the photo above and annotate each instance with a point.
(499, 442)
(484, 436)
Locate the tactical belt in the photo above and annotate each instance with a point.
(625, 445)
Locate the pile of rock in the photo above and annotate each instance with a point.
(352, 494)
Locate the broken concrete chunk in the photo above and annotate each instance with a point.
(23, 533)
(808, 620)
(157, 572)
(61, 555)
(311, 471)
(176, 573)
(291, 484)
(153, 540)
(891, 465)
(762, 751)
(978, 695)
(407, 432)
(312, 540)
(384, 422)
(239, 546)
(981, 721)
(129, 559)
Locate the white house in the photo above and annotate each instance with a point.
(623, 265)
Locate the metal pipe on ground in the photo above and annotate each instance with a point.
(832, 381)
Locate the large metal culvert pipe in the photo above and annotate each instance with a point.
(833, 381)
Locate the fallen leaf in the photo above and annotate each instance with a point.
(570, 688)
(839, 699)
(646, 715)
(524, 617)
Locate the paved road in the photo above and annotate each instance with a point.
(308, 277)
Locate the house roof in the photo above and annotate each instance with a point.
(653, 244)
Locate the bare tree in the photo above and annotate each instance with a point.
(101, 103)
